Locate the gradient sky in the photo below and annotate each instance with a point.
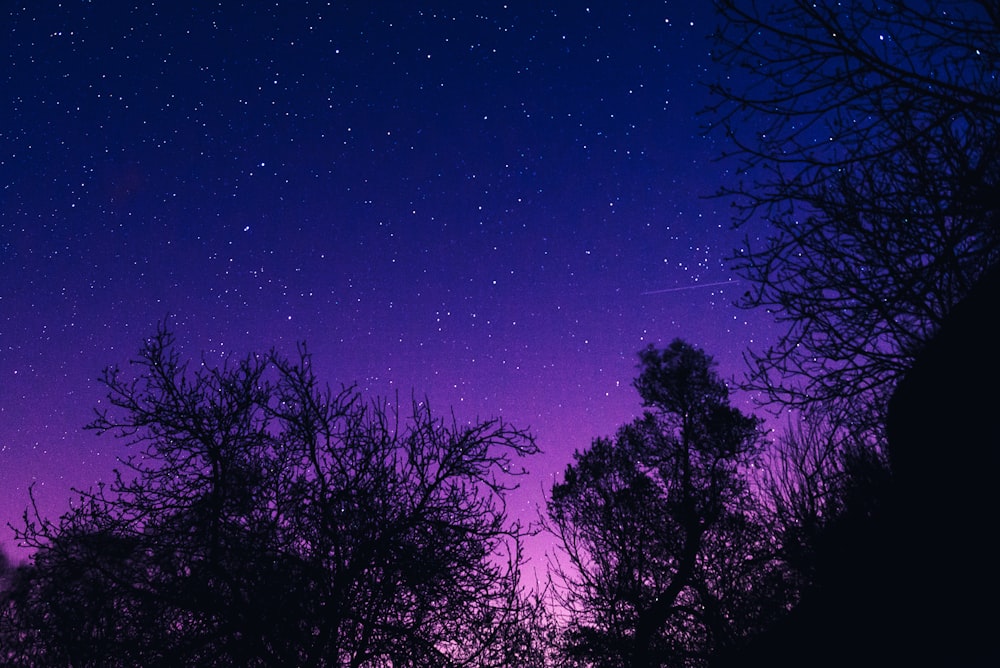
(493, 204)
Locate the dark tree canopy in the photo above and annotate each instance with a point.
(905, 573)
(869, 137)
(662, 560)
(266, 520)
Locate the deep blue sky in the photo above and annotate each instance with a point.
(494, 204)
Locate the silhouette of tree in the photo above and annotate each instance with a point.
(944, 446)
(868, 135)
(532, 642)
(7, 571)
(662, 556)
(812, 481)
(904, 572)
(266, 520)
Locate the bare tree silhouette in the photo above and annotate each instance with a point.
(867, 134)
(267, 520)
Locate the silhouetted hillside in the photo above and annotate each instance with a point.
(914, 582)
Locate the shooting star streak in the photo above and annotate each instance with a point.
(691, 287)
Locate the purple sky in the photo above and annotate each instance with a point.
(487, 203)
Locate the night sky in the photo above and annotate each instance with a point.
(492, 204)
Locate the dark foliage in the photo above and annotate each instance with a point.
(868, 137)
(912, 580)
(662, 557)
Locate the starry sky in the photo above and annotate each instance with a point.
(495, 205)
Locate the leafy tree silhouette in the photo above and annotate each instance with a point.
(662, 559)
(267, 520)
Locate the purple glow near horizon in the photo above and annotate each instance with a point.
(491, 205)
